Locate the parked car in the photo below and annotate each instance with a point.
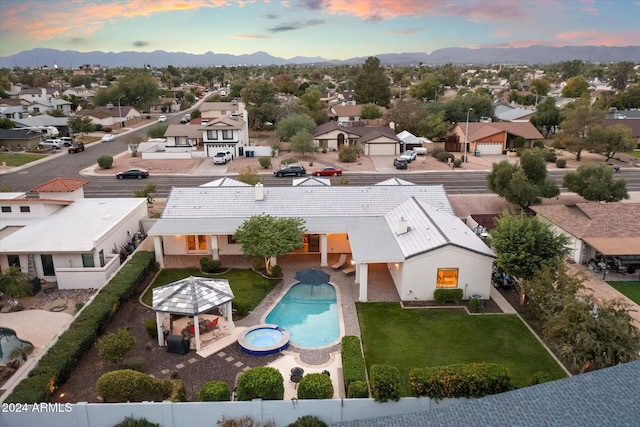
(133, 173)
(55, 143)
(291, 170)
(327, 172)
(222, 157)
(162, 118)
(185, 119)
(410, 155)
(401, 163)
(108, 137)
(76, 147)
(615, 167)
(67, 141)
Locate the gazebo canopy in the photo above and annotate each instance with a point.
(191, 296)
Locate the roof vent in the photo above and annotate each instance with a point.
(403, 226)
(259, 191)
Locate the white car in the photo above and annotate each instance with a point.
(409, 155)
(55, 143)
(162, 118)
(108, 138)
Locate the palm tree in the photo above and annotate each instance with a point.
(14, 283)
(21, 352)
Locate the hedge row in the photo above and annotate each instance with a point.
(315, 386)
(55, 366)
(442, 296)
(127, 385)
(464, 380)
(385, 383)
(353, 367)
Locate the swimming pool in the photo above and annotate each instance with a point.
(8, 341)
(309, 313)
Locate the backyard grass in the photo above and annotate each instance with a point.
(249, 288)
(19, 159)
(433, 337)
(635, 153)
(630, 289)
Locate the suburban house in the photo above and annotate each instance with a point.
(79, 92)
(115, 117)
(507, 113)
(597, 231)
(411, 230)
(211, 110)
(345, 114)
(374, 140)
(186, 136)
(44, 121)
(20, 139)
(228, 133)
(494, 137)
(39, 233)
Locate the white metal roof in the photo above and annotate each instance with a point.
(225, 182)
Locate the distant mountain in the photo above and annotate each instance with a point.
(455, 55)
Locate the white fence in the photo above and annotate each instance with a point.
(169, 414)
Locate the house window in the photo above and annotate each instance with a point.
(6, 209)
(227, 134)
(323, 143)
(212, 135)
(47, 265)
(88, 261)
(13, 260)
(197, 243)
(101, 256)
(25, 209)
(447, 278)
(231, 240)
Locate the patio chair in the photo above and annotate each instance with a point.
(296, 375)
(340, 263)
(349, 270)
(212, 324)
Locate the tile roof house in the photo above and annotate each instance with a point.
(495, 137)
(41, 235)
(411, 229)
(112, 116)
(378, 140)
(228, 133)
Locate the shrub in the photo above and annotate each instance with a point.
(209, 265)
(107, 130)
(520, 150)
(353, 366)
(105, 162)
(385, 383)
(214, 391)
(276, 271)
(288, 160)
(457, 163)
(443, 156)
(151, 326)
(263, 382)
(132, 422)
(265, 162)
(538, 143)
(113, 347)
(518, 142)
(442, 296)
(348, 154)
(315, 386)
(561, 163)
(308, 421)
(437, 151)
(132, 386)
(134, 363)
(550, 156)
(358, 389)
(469, 380)
(474, 305)
(539, 378)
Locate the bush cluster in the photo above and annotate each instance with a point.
(315, 386)
(132, 386)
(353, 367)
(288, 160)
(265, 162)
(348, 154)
(132, 422)
(444, 156)
(550, 156)
(457, 163)
(442, 296)
(107, 129)
(55, 366)
(210, 265)
(151, 326)
(113, 347)
(474, 305)
(308, 421)
(105, 162)
(561, 163)
(263, 382)
(464, 380)
(385, 383)
(538, 143)
(436, 151)
(214, 391)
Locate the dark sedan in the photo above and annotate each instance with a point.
(327, 172)
(133, 173)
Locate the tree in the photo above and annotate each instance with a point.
(612, 139)
(370, 111)
(524, 245)
(406, 115)
(540, 87)
(550, 289)
(113, 347)
(6, 123)
(547, 116)
(628, 99)
(575, 87)
(269, 237)
(311, 100)
(157, 131)
(620, 73)
(195, 114)
(595, 183)
(372, 85)
(14, 283)
(294, 123)
(428, 88)
(456, 109)
(80, 124)
(433, 126)
(575, 133)
(148, 193)
(262, 105)
(285, 83)
(249, 176)
(302, 142)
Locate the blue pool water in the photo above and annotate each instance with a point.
(9, 341)
(309, 313)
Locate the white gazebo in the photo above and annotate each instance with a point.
(190, 297)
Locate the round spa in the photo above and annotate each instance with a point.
(262, 340)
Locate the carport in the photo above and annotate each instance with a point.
(620, 252)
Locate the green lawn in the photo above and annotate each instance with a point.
(19, 159)
(630, 289)
(433, 337)
(249, 288)
(635, 153)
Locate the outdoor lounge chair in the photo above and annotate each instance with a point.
(340, 263)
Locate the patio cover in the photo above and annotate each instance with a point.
(190, 297)
(615, 246)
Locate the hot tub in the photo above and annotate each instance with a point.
(264, 339)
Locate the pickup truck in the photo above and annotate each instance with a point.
(222, 157)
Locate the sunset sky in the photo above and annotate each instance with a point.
(333, 29)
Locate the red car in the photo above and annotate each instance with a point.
(327, 172)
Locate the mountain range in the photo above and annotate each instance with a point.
(454, 55)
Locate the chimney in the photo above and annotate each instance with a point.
(259, 191)
(403, 226)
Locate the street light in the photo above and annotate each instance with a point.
(120, 110)
(466, 136)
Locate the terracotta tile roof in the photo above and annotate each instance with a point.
(60, 185)
(479, 131)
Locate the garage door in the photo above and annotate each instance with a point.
(381, 149)
(490, 148)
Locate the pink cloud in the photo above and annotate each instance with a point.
(576, 38)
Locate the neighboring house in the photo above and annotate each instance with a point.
(495, 137)
(506, 113)
(115, 117)
(373, 140)
(210, 110)
(410, 229)
(42, 100)
(229, 133)
(345, 114)
(42, 95)
(79, 92)
(18, 139)
(410, 141)
(183, 136)
(45, 120)
(631, 123)
(596, 230)
(41, 234)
